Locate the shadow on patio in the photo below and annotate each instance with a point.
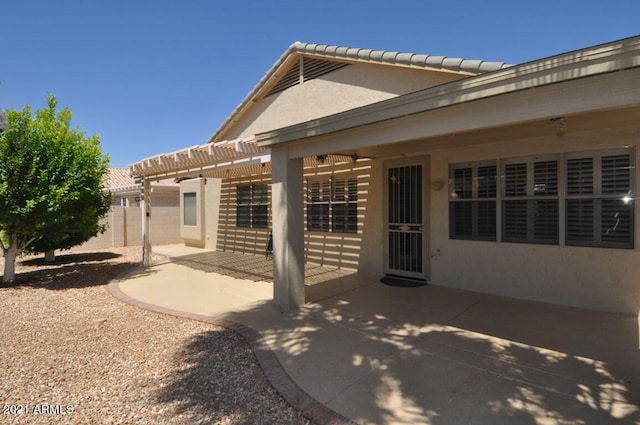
(432, 355)
(321, 281)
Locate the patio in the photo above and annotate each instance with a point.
(429, 355)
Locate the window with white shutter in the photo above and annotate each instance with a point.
(318, 205)
(472, 202)
(332, 204)
(600, 199)
(252, 205)
(597, 191)
(530, 200)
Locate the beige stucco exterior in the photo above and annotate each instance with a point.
(124, 227)
(596, 278)
(346, 88)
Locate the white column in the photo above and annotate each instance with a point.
(288, 230)
(146, 223)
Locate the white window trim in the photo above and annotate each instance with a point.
(331, 201)
(251, 204)
(562, 195)
(530, 196)
(475, 198)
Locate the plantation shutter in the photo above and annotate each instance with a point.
(515, 211)
(472, 208)
(318, 198)
(599, 205)
(344, 207)
(545, 211)
(243, 205)
(616, 213)
(531, 201)
(260, 205)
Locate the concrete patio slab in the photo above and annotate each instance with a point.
(428, 355)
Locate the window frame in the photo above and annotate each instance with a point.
(252, 210)
(190, 209)
(599, 197)
(563, 196)
(326, 203)
(525, 194)
(480, 198)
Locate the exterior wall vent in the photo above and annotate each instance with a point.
(308, 68)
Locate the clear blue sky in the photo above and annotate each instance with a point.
(155, 76)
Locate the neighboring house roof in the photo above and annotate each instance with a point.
(120, 181)
(324, 58)
(119, 178)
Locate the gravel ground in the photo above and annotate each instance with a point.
(67, 346)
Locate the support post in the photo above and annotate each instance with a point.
(288, 230)
(146, 223)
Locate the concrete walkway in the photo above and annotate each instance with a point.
(429, 355)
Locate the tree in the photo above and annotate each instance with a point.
(51, 184)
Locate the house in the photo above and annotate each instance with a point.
(516, 180)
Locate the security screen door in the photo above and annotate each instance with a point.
(404, 244)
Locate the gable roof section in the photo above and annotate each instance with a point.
(608, 58)
(305, 61)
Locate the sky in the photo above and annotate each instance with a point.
(157, 76)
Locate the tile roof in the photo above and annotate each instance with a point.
(120, 179)
(353, 54)
(398, 58)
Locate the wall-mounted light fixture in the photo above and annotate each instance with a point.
(559, 123)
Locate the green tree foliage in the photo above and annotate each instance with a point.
(51, 181)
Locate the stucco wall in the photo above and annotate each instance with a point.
(125, 228)
(341, 90)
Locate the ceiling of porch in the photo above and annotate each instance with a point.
(556, 127)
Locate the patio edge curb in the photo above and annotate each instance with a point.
(277, 376)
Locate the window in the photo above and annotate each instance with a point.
(530, 201)
(472, 203)
(252, 205)
(190, 209)
(599, 200)
(332, 204)
(591, 193)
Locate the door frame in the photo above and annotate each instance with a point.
(423, 161)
